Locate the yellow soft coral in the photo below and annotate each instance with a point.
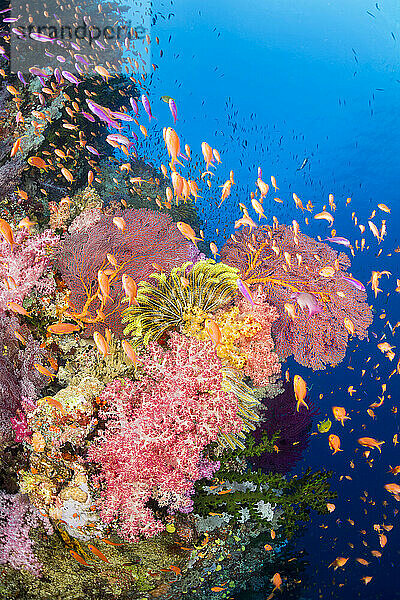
(232, 328)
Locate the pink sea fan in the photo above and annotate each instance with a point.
(157, 429)
(287, 264)
(149, 237)
(24, 265)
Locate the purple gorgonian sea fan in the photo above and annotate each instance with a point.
(149, 238)
(319, 305)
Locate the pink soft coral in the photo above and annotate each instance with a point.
(156, 431)
(22, 266)
(17, 517)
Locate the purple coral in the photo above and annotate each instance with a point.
(295, 427)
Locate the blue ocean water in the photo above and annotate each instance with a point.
(269, 84)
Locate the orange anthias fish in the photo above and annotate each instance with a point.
(188, 232)
(104, 285)
(340, 561)
(393, 488)
(394, 470)
(213, 331)
(97, 553)
(207, 154)
(325, 215)
(120, 223)
(38, 162)
(300, 391)
(52, 402)
(6, 232)
(101, 343)
(277, 581)
(339, 412)
(130, 288)
(129, 351)
(374, 281)
(63, 328)
(370, 443)
(78, 558)
(334, 443)
(44, 370)
(17, 308)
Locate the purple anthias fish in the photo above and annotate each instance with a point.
(134, 105)
(40, 37)
(355, 283)
(79, 68)
(10, 19)
(57, 75)
(146, 106)
(92, 150)
(173, 109)
(119, 139)
(21, 78)
(245, 291)
(38, 72)
(81, 59)
(121, 116)
(339, 240)
(75, 46)
(305, 300)
(88, 117)
(71, 78)
(103, 113)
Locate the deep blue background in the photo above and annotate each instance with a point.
(269, 83)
